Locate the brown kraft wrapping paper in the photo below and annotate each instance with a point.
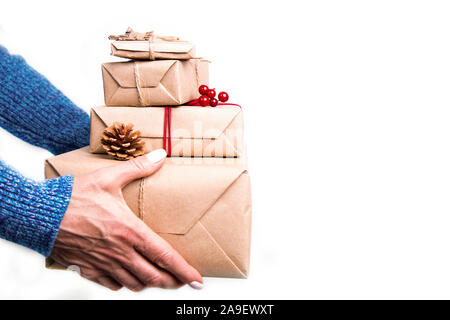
(153, 83)
(195, 131)
(201, 206)
(153, 50)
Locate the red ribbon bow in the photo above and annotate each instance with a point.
(167, 139)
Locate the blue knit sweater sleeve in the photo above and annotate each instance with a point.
(32, 109)
(30, 211)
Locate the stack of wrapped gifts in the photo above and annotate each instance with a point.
(199, 201)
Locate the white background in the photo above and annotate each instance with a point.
(347, 111)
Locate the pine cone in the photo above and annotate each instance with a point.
(122, 142)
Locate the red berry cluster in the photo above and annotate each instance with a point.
(209, 96)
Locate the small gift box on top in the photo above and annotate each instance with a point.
(150, 46)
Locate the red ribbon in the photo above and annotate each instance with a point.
(195, 103)
(167, 131)
(167, 138)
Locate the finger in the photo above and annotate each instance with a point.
(125, 278)
(108, 282)
(89, 273)
(93, 267)
(122, 174)
(150, 275)
(100, 278)
(161, 253)
(73, 264)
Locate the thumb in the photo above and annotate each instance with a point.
(137, 168)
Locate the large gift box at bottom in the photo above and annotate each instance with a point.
(201, 206)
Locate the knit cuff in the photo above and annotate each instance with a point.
(31, 212)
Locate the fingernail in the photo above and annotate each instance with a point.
(156, 155)
(196, 285)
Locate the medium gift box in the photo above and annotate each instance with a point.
(201, 206)
(153, 83)
(194, 131)
(149, 46)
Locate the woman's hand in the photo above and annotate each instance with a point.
(111, 246)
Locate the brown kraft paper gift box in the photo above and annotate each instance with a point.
(201, 206)
(195, 131)
(153, 83)
(150, 46)
(153, 50)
